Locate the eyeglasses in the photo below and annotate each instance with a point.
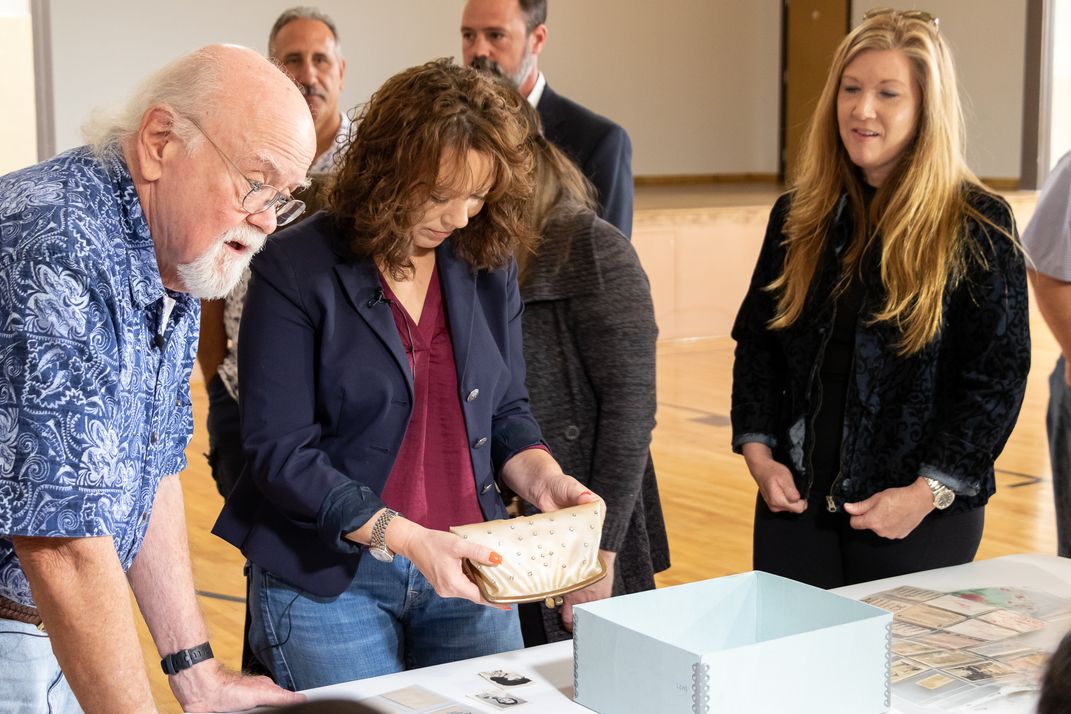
(261, 196)
(920, 15)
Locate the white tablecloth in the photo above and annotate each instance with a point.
(551, 666)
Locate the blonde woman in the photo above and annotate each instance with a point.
(883, 346)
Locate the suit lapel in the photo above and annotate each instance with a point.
(360, 282)
(549, 110)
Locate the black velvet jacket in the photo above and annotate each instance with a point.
(944, 412)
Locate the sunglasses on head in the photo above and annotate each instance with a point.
(920, 15)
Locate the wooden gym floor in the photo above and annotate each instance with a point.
(707, 493)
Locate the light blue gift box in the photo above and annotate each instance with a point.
(745, 643)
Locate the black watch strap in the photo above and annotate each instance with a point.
(184, 659)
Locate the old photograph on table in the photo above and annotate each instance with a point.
(1001, 650)
(1013, 620)
(950, 640)
(888, 603)
(901, 669)
(505, 678)
(1031, 664)
(981, 630)
(1035, 603)
(906, 629)
(927, 616)
(943, 659)
(499, 699)
(929, 688)
(907, 592)
(910, 648)
(982, 671)
(962, 605)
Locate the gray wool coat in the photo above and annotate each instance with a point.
(589, 347)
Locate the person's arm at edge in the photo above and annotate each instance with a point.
(1054, 303)
(1045, 240)
(81, 595)
(162, 580)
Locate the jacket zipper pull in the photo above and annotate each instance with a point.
(831, 505)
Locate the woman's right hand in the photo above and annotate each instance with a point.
(439, 556)
(774, 479)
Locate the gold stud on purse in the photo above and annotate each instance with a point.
(544, 556)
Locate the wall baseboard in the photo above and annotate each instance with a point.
(995, 183)
(703, 179)
(1001, 184)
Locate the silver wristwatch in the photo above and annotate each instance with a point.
(378, 544)
(943, 496)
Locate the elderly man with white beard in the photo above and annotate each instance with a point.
(104, 253)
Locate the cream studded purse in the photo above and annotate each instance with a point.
(544, 556)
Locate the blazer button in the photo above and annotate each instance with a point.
(480, 442)
(487, 487)
(572, 432)
(472, 395)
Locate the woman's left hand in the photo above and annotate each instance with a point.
(894, 512)
(537, 478)
(596, 591)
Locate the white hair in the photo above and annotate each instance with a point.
(190, 85)
(213, 274)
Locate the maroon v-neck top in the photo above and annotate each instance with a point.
(432, 481)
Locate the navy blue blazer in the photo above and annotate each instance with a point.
(326, 395)
(599, 147)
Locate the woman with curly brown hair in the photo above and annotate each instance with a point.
(883, 346)
(382, 374)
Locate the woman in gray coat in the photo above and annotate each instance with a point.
(589, 345)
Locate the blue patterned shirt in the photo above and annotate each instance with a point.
(95, 358)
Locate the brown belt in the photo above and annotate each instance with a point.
(11, 610)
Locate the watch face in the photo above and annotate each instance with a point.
(944, 499)
(382, 555)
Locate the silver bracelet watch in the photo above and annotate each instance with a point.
(378, 543)
(943, 496)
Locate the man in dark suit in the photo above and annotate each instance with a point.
(512, 33)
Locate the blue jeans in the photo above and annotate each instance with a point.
(31, 681)
(1058, 426)
(389, 619)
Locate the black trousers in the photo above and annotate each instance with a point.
(822, 549)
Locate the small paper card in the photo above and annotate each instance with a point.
(505, 678)
(499, 699)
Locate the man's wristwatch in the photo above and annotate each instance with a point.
(378, 545)
(943, 496)
(184, 659)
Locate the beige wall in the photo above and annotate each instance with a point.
(699, 263)
(695, 82)
(988, 42)
(18, 130)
